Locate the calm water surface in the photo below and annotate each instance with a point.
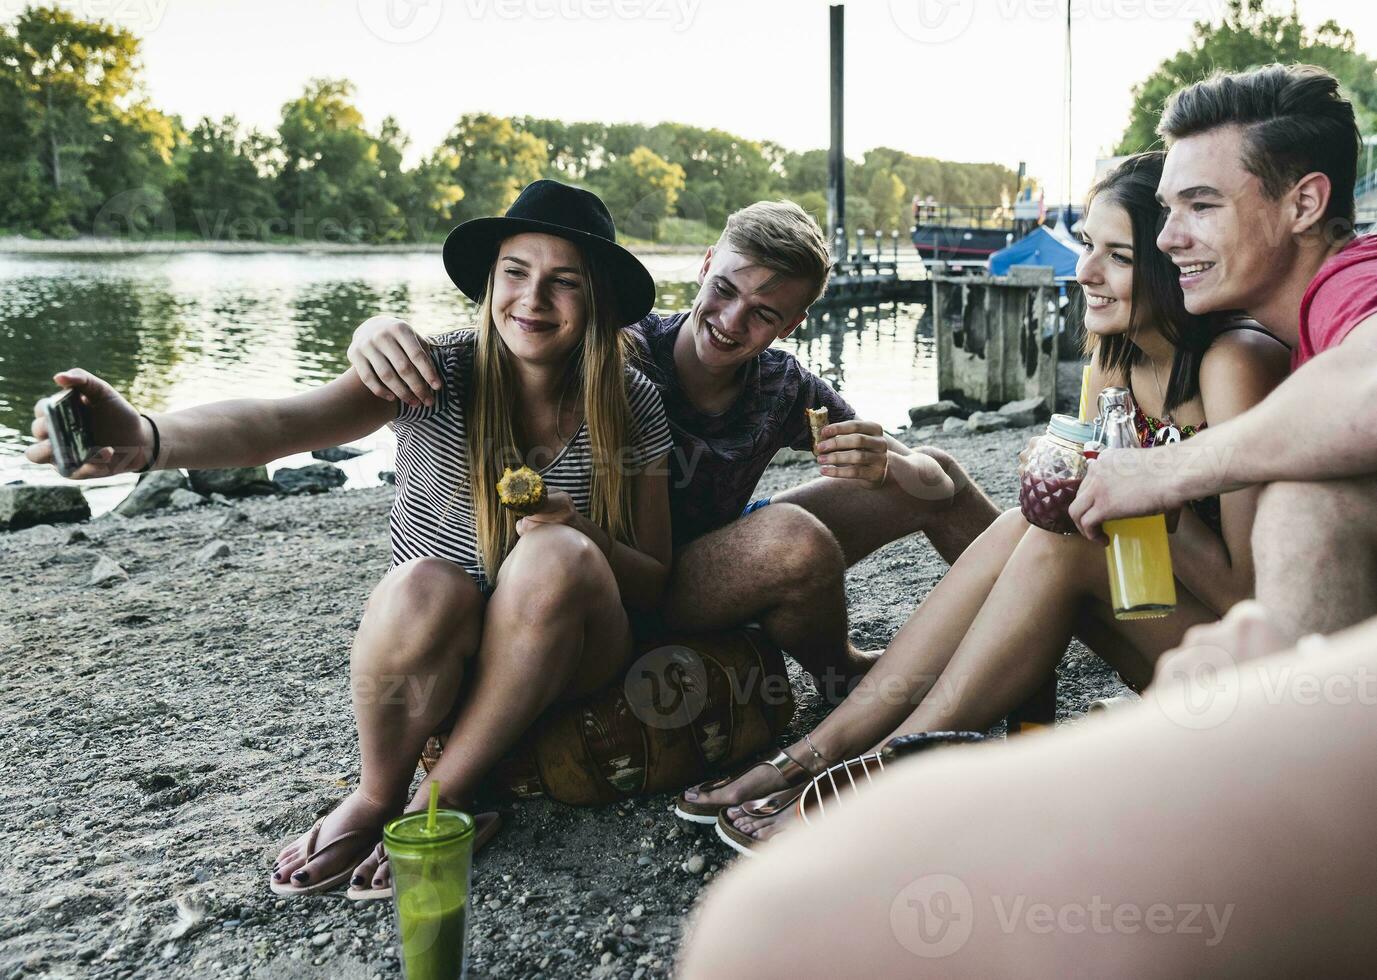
(171, 331)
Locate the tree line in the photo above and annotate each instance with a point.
(83, 151)
(1249, 34)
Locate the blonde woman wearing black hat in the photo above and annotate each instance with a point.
(483, 619)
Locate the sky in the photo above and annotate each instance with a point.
(971, 80)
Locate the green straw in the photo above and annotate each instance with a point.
(434, 805)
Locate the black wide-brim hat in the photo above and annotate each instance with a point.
(551, 208)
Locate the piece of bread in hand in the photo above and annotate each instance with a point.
(817, 421)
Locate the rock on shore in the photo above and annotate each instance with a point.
(238, 481)
(24, 506)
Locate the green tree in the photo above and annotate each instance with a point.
(135, 152)
(860, 215)
(329, 187)
(815, 203)
(28, 192)
(640, 189)
(572, 150)
(83, 132)
(1251, 34)
(888, 201)
(493, 160)
(222, 188)
(423, 195)
(805, 172)
(722, 171)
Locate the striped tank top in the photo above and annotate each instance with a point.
(432, 515)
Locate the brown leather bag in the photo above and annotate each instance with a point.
(688, 704)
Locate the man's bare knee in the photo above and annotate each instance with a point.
(1315, 550)
(799, 549)
(750, 565)
(944, 459)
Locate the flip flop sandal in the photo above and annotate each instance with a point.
(485, 828)
(793, 774)
(833, 780)
(287, 889)
(845, 779)
(834, 784)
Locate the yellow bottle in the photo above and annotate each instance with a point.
(1141, 583)
(1140, 578)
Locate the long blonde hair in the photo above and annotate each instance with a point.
(597, 372)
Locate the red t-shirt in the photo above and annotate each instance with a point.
(1342, 295)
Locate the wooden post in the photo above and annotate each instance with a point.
(836, 157)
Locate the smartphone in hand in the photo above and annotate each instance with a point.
(69, 430)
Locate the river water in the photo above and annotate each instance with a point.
(174, 330)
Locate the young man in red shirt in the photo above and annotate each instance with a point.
(1258, 198)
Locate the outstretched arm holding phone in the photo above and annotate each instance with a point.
(237, 432)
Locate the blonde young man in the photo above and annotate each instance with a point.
(733, 401)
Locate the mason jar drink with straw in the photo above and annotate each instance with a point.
(1048, 482)
(1140, 577)
(1051, 469)
(431, 859)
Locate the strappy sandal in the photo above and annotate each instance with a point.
(485, 828)
(795, 777)
(289, 890)
(836, 782)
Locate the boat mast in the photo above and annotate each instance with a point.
(836, 158)
(1066, 199)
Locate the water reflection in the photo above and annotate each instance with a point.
(171, 331)
(47, 325)
(882, 359)
(324, 316)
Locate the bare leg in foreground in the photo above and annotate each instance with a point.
(1216, 829)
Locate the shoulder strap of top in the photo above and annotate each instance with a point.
(1255, 327)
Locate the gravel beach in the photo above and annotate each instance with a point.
(167, 732)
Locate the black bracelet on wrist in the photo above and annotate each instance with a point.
(157, 446)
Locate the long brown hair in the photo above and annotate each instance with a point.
(597, 373)
(1157, 298)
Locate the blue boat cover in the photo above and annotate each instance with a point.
(1038, 247)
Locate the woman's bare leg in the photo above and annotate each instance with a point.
(908, 669)
(421, 622)
(969, 680)
(1233, 850)
(554, 629)
(1052, 583)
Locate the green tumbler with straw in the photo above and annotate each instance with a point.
(431, 858)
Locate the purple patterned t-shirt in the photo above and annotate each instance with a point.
(717, 459)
